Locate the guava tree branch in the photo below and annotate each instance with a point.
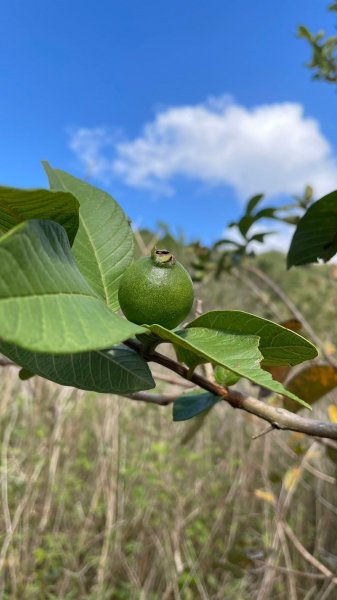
(6, 363)
(279, 418)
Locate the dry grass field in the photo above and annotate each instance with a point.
(106, 498)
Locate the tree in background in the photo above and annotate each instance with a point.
(324, 52)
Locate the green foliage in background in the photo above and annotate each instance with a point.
(324, 52)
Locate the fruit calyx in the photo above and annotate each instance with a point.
(162, 258)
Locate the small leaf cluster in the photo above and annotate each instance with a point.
(314, 238)
(243, 229)
(324, 52)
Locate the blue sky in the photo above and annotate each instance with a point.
(179, 109)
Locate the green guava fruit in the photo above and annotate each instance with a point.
(156, 289)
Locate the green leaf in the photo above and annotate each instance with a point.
(45, 303)
(253, 202)
(247, 220)
(226, 242)
(245, 224)
(278, 345)
(316, 234)
(303, 32)
(104, 245)
(259, 237)
(191, 359)
(238, 353)
(115, 371)
(191, 404)
(18, 205)
(294, 220)
(225, 377)
(24, 374)
(265, 213)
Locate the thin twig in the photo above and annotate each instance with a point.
(266, 565)
(279, 418)
(7, 363)
(307, 556)
(292, 594)
(262, 433)
(160, 399)
(4, 468)
(172, 380)
(255, 289)
(19, 510)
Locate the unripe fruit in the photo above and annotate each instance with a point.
(156, 289)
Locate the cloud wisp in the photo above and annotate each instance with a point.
(272, 148)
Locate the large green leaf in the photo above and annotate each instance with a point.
(115, 371)
(192, 403)
(278, 345)
(238, 353)
(104, 245)
(21, 205)
(315, 236)
(45, 303)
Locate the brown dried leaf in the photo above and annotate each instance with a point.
(312, 383)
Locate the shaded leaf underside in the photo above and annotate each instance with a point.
(316, 234)
(18, 205)
(115, 371)
(191, 404)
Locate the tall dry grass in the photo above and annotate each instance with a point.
(105, 498)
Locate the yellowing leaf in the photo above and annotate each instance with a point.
(329, 348)
(278, 373)
(266, 496)
(292, 324)
(291, 478)
(332, 412)
(297, 436)
(297, 441)
(311, 384)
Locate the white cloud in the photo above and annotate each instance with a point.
(271, 148)
(90, 146)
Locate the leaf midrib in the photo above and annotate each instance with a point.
(106, 297)
(116, 362)
(70, 294)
